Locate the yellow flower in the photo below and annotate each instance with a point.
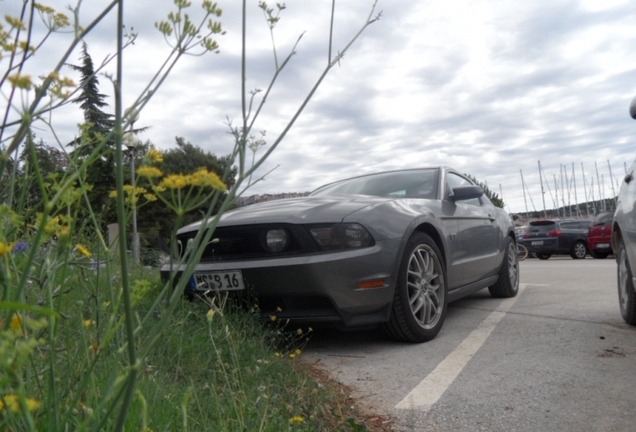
(292, 356)
(149, 171)
(21, 81)
(203, 177)
(278, 309)
(299, 331)
(53, 225)
(113, 194)
(82, 249)
(64, 231)
(150, 197)
(277, 354)
(298, 352)
(210, 315)
(14, 22)
(12, 402)
(155, 155)
(5, 248)
(273, 318)
(296, 420)
(174, 181)
(87, 323)
(16, 322)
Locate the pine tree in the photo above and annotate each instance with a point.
(496, 200)
(96, 127)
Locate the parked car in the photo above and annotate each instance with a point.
(545, 238)
(392, 248)
(599, 235)
(624, 244)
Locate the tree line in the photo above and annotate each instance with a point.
(155, 221)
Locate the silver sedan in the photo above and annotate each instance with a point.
(624, 245)
(389, 249)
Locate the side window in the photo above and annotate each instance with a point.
(569, 225)
(454, 180)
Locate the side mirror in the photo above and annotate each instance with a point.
(632, 108)
(461, 193)
(629, 177)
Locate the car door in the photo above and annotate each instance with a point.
(476, 236)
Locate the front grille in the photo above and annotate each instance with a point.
(248, 242)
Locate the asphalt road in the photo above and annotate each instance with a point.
(558, 357)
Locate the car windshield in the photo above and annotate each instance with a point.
(603, 219)
(420, 183)
(542, 226)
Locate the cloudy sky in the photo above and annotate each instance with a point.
(489, 87)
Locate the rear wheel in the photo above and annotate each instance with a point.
(508, 283)
(522, 252)
(626, 293)
(543, 256)
(579, 250)
(419, 303)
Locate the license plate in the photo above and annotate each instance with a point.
(231, 280)
(537, 243)
(602, 245)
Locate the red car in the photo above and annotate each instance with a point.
(599, 235)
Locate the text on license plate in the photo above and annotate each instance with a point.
(603, 245)
(220, 281)
(537, 242)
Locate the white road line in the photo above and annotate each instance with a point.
(424, 396)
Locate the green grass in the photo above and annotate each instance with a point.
(226, 371)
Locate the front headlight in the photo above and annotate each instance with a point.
(341, 236)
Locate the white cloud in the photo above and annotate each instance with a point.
(489, 87)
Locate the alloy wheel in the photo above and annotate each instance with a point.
(425, 286)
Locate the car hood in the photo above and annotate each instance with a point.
(320, 209)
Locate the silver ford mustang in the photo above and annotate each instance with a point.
(392, 248)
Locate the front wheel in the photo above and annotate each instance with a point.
(508, 283)
(579, 250)
(419, 303)
(626, 293)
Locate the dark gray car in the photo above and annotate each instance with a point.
(624, 245)
(392, 248)
(545, 238)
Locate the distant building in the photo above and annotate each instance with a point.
(253, 199)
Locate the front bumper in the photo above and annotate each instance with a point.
(320, 287)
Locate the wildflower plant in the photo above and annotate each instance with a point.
(75, 336)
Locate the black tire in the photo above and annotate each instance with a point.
(419, 303)
(543, 256)
(579, 250)
(598, 255)
(626, 293)
(508, 283)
